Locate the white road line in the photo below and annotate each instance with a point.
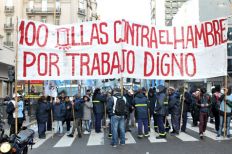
(129, 138)
(153, 139)
(65, 141)
(213, 127)
(185, 137)
(39, 142)
(96, 138)
(207, 133)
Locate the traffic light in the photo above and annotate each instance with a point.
(11, 73)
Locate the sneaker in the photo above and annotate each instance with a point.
(173, 133)
(218, 135)
(122, 144)
(85, 132)
(70, 135)
(109, 135)
(114, 146)
(201, 136)
(160, 137)
(140, 136)
(128, 130)
(228, 136)
(146, 135)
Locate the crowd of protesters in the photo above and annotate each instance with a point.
(149, 108)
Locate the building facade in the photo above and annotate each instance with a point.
(56, 12)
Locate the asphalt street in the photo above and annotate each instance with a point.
(185, 143)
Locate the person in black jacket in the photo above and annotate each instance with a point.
(141, 107)
(42, 112)
(187, 100)
(152, 101)
(99, 101)
(49, 122)
(129, 99)
(78, 105)
(68, 113)
(174, 109)
(11, 106)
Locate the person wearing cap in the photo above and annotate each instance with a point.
(88, 105)
(174, 109)
(140, 103)
(160, 110)
(12, 105)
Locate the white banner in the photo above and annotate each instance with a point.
(101, 50)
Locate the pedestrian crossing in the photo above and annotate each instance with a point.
(100, 139)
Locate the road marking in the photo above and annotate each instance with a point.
(39, 142)
(207, 133)
(129, 138)
(213, 127)
(65, 141)
(95, 138)
(185, 137)
(152, 138)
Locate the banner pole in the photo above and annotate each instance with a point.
(182, 106)
(16, 81)
(52, 115)
(225, 91)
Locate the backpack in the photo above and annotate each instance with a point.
(120, 107)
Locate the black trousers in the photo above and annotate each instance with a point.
(12, 127)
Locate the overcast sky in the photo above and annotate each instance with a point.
(133, 10)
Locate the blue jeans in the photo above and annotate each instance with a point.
(88, 125)
(228, 118)
(118, 122)
(142, 122)
(98, 118)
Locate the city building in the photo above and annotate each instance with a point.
(48, 11)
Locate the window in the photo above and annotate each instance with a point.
(229, 49)
(82, 4)
(44, 5)
(57, 21)
(44, 19)
(8, 20)
(229, 65)
(229, 33)
(9, 2)
(8, 37)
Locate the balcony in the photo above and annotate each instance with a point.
(81, 11)
(8, 43)
(95, 15)
(8, 26)
(40, 11)
(9, 9)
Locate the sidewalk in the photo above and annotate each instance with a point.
(26, 123)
